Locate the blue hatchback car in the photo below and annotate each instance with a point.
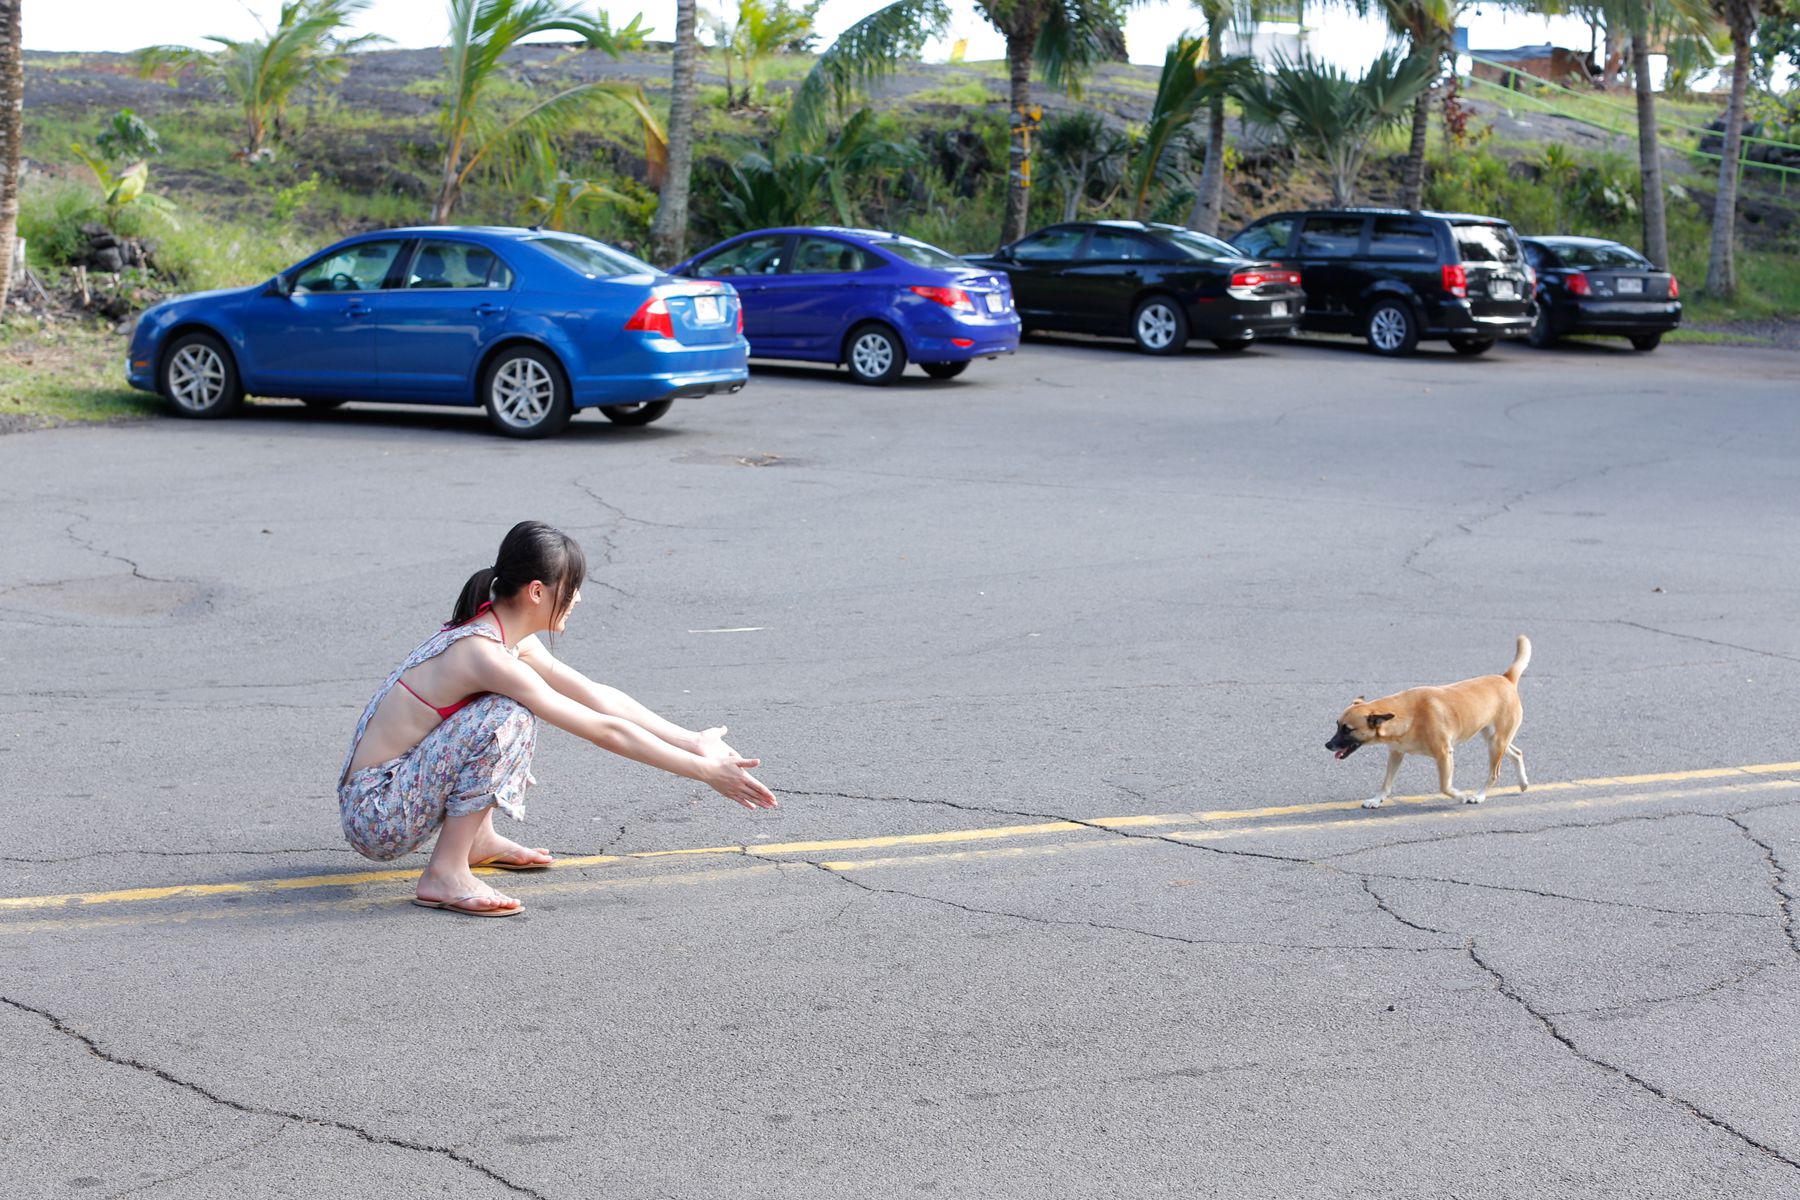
(873, 301)
(530, 323)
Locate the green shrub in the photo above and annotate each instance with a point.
(51, 214)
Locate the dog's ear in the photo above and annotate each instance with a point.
(1360, 700)
(1376, 719)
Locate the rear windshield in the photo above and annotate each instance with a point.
(1604, 254)
(1198, 245)
(594, 259)
(921, 255)
(1487, 243)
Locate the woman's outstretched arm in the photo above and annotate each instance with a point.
(614, 703)
(726, 773)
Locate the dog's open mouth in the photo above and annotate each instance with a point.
(1345, 751)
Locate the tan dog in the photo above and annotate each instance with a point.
(1434, 720)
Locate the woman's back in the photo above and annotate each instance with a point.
(421, 692)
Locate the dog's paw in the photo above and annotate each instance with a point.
(1374, 801)
(1473, 797)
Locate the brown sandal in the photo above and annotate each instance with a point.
(462, 906)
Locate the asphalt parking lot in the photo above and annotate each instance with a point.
(1065, 897)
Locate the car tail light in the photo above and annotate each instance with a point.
(1456, 279)
(1674, 288)
(1530, 277)
(653, 317)
(949, 297)
(1578, 284)
(740, 318)
(962, 343)
(1250, 279)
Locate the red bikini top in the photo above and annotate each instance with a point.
(452, 710)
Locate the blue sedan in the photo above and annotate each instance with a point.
(873, 301)
(532, 324)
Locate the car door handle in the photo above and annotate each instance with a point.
(489, 310)
(356, 308)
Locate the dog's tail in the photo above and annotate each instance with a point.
(1520, 660)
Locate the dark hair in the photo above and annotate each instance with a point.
(530, 550)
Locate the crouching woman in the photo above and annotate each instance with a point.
(449, 737)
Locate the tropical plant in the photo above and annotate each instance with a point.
(565, 198)
(1080, 150)
(668, 231)
(1326, 116)
(480, 135)
(1186, 87)
(127, 136)
(12, 106)
(1062, 38)
(262, 74)
(120, 186)
(1740, 18)
(757, 33)
(1221, 17)
(1426, 27)
(783, 188)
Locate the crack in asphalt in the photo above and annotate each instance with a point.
(1694, 637)
(1655, 1001)
(621, 513)
(204, 1163)
(1777, 882)
(1102, 926)
(1605, 823)
(376, 1139)
(1506, 989)
(94, 547)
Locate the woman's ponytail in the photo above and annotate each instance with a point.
(478, 591)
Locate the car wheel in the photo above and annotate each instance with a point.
(1646, 342)
(944, 370)
(1542, 334)
(1469, 347)
(637, 414)
(525, 393)
(1233, 345)
(874, 354)
(199, 377)
(321, 403)
(1391, 329)
(1159, 326)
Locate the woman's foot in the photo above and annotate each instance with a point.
(492, 850)
(464, 892)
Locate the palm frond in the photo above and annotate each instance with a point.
(868, 50)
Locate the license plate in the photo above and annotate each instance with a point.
(1278, 309)
(707, 311)
(1634, 286)
(1503, 289)
(996, 303)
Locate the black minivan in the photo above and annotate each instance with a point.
(1395, 277)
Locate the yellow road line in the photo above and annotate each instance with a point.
(351, 879)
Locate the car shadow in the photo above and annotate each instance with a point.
(355, 417)
(839, 379)
(1197, 347)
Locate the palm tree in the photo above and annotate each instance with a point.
(481, 32)
(1185, 88)
(1220, 16)
(262, 74)
(1426, 26)
(1333, 119)
(1081, 150)
(668, 230)
(1061, 37)
(1739, 17)
(763, 31)
(12, 111)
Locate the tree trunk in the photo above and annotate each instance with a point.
(447, 194)
(1020, 43)
(1656, 225)
(1412, 179)
(12, 110)
(1721, 269)
(668, 232)
(1210, 197)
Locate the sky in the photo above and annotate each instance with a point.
(128, 24)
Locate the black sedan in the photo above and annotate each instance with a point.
(1157, 284)
(1590, 285)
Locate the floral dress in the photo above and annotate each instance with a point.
(476, 757)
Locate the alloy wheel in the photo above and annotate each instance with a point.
(872, 355)
(196, 378)
(1387, 329)
(523, 392)
(1156, 326)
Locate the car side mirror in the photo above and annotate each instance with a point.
(278, 286)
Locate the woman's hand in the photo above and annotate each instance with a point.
(729, 775)
(710, 743)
